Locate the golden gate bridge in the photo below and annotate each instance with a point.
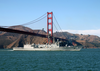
(49, 28)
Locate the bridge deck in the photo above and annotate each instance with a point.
(27, 33)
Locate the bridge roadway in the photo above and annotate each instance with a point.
(28, 33)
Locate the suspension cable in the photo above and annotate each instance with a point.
(59, 26)
(55, 26)
(36, 20)
(31, 22)
(57, 23)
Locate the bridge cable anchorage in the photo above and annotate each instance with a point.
(59, 26)
(31, 22)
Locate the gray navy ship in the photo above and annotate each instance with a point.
(57, 46)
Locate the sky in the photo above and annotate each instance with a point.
(74, 16)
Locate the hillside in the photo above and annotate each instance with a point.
(9, 40)
(88, 41)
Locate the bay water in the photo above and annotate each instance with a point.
(84, 60)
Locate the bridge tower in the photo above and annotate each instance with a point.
(50, 26)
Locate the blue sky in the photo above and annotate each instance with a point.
(75, 16)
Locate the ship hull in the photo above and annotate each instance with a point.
(48, 49)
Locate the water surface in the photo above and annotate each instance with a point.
(84, 60)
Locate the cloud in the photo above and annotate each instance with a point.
(84, 32)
